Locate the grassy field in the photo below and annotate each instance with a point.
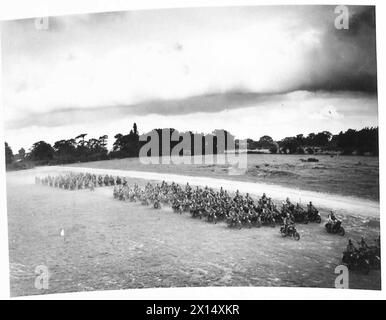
(110, 244)
(356, 176)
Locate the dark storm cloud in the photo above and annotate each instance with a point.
(356, 81)
(362, 19)
(211, 103)
(348, 59)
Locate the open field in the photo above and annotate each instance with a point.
(356, 176)
(110, 244)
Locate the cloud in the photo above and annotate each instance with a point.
(116, 59)
(277, 116)
(348, 59)
(327, 113)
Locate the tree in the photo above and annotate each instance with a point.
(81, 136)
(8, 154)
(126, 145)
(289, 145)
(310, 150)
(363, 141)
(274, 148)
(310, 140)
(135, 129)
(41, 151)
(21, 154)
(65, 150)
(103, 141)
(300, 138)
(322, 138)
(265, 142)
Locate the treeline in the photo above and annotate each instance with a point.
(80, 149)
(359, 142)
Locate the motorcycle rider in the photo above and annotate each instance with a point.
(290, 206)
(310, 208)
(378, 242)
(333, 220)
(288, 222)
(363, 245)
(350, 252)
(115, 192)
(350, 247)
(298, 210)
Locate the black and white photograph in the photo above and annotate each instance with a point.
(223, 146)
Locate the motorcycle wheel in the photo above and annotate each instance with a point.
(297, 236)
(376, 263)
(345, 259)
(342, 232)
(318, 219)
(365, 267)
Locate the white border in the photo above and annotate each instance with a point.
(17, 9)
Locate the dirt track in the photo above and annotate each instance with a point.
(110, 244)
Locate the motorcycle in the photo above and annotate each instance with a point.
(373, 255)
(314, 216)
(356, 261)
(335, 228)
(300, 216)
(234, 222)
(157, 205)
(290, 231)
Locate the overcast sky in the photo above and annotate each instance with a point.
(251, 70)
